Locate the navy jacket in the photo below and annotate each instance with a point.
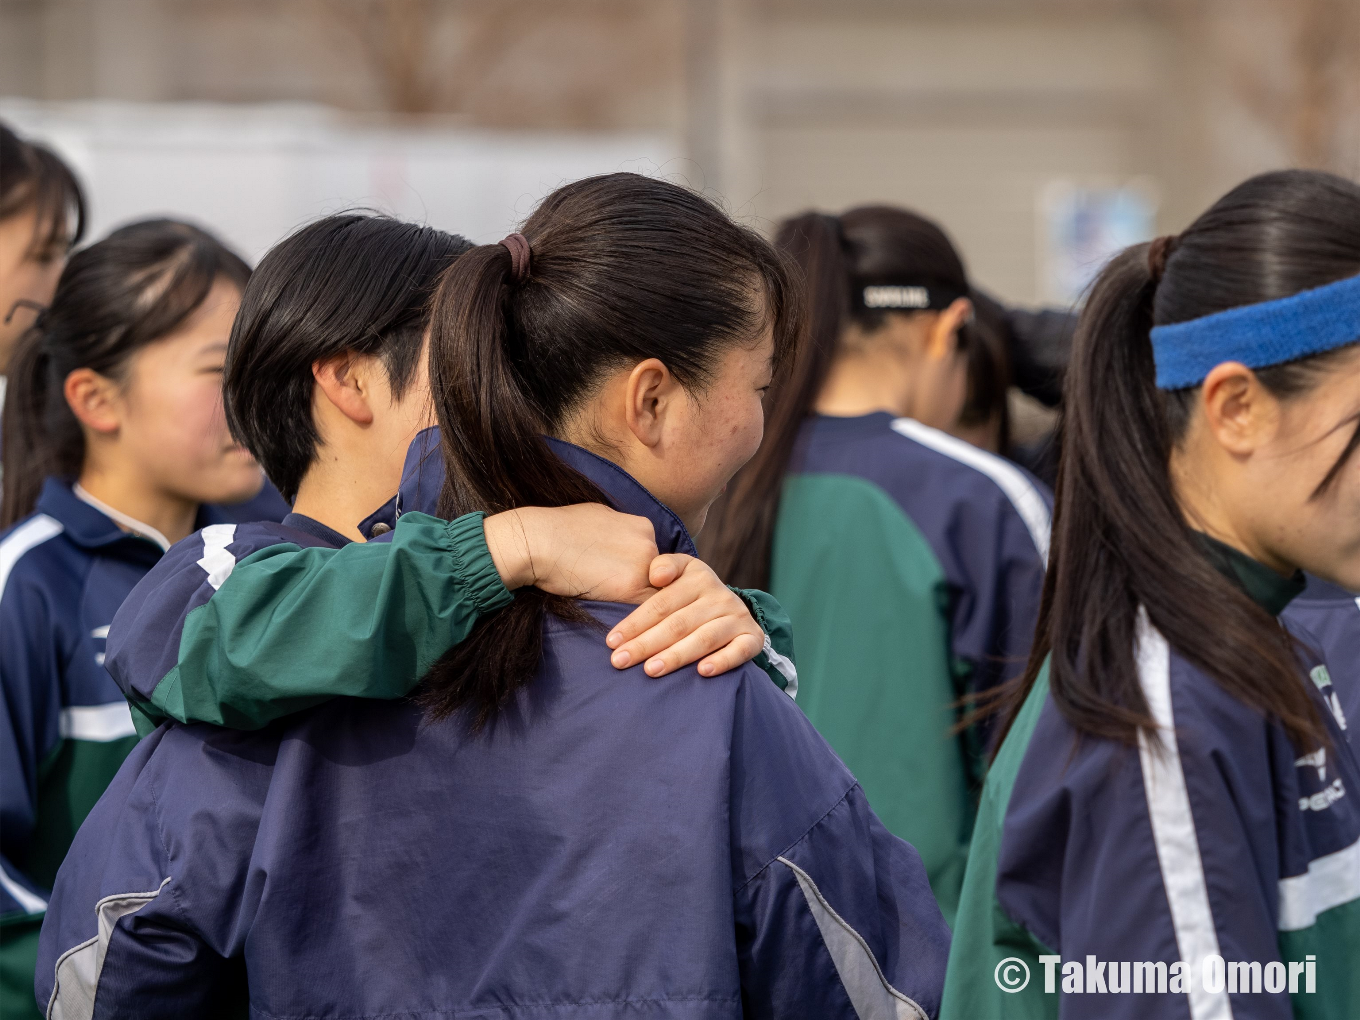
(1326, 618)
(612, 845)
(64, 726)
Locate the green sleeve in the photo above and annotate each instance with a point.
(291, 628)
(776, 658)
(984, 936)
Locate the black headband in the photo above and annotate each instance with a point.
(898, 295)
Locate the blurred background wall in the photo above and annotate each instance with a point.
(1040, 133)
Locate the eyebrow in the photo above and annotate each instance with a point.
(214, 348)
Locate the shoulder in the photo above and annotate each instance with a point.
(35, 558)
(978, 478)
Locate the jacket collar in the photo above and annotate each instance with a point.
(88, 527)
(1263, 586)
(626, 494)
(423, 477)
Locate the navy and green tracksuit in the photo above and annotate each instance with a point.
(1218, 840)
(613, 847)
(243, 624)
(911, 564)
(65, 730)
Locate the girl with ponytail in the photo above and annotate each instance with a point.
(1172, 817)
(910, 561)
(539, 834)
(114, 440)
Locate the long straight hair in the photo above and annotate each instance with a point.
(134, 287)
(836, 255)
(1120, 540)
(621, 268)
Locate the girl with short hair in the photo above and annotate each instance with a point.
(541, 833)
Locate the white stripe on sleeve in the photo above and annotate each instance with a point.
(1009, 478)
(1173, 825)
(867, 988)
(35, 531)
(31, 902)
(97, 723)
(217, 561)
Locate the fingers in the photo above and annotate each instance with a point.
(667, 568)
(716, 636)
(661, 606)
(736, 652)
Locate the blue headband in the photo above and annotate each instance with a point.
(1269, 333)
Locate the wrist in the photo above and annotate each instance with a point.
(508, 543)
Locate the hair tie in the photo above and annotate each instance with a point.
(1158, 252)
(519, 256)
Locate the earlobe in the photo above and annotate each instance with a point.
(93, 399)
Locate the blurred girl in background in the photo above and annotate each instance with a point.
(114, 439)
(909, 560)
(42, 215)
(1172, 818)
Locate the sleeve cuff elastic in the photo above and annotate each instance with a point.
(476, 570)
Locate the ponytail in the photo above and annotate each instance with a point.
(113, 298)
(609, 271)
(1120, 540)
(840, 256)
(496, 460)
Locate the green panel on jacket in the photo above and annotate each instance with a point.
(983, 934)
(18, 959)
(72, 778)
(868, 598)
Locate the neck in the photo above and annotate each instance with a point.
(1200, 496)
(864, 381)
(172, 516)
(340, 497)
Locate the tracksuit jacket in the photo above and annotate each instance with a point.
(1219, 846)
(612, 845)
(64, 571)
(911, 564)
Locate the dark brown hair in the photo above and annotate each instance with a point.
(114, 297)
(32, 176)
(350, 282)
(1120, 541)
(621, 268)
(839, 255)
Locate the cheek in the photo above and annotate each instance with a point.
(184, 419)
(735, 441)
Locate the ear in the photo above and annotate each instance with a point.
(649, 394)
(95, 400)
(1239, 412)
(943, 339)
(344, 380)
